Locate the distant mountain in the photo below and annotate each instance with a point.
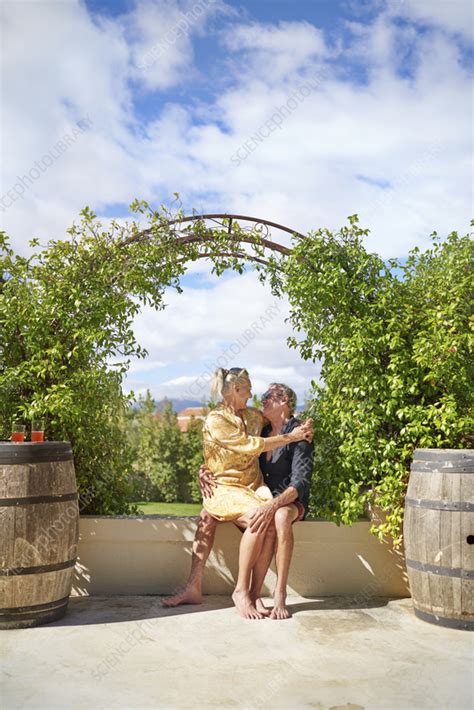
(179, 404)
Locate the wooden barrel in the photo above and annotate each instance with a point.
(39, 528)
(438, 532)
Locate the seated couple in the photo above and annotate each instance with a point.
(240, 443)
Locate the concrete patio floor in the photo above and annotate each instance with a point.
(334, 653)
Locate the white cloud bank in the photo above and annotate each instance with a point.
(455, 16)
(385, 131)
(238, 323)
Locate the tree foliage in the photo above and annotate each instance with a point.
(395, 342)
(165, 459)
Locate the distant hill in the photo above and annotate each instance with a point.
(177, 404)
(180, 404)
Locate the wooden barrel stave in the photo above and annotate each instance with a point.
(41, 533)
(46, 587)
(467, 561)
(39, 515)
(438, 519)
(444, 594)
(42, 478)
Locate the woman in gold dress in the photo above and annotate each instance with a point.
(232, 445)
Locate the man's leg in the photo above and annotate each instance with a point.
(284, 518)
(261, 568)
(202, 546)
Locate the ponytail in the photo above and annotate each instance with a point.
(217, 384)
(223, 379)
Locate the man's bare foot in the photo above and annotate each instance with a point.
(261, 608)
(280, 610)
(245, 606)
(186, 596)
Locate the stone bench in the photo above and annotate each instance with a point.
(152, 555)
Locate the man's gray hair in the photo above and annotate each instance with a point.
(282, 390)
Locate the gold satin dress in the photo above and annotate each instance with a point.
(232, 445)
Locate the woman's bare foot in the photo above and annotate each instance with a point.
(245, 606)
(280, 610)
(188, 595)
(261, 608)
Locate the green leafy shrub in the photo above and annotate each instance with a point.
(395, 342)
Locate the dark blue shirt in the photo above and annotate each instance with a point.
(291, 464)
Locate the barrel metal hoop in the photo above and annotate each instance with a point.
(13, 611)
(12, 454)
(440, 504)
(418, 467)
(26, 500)
(452, 455)
(437, 569)
(53, 567)
(466, 624)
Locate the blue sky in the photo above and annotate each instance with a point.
(324, 13)
(369, 104)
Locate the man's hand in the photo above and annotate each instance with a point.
(206, 481)
(261, 517)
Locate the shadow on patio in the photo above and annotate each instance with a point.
(118, 609)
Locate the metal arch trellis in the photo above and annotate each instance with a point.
(258, 221)
(226, 222)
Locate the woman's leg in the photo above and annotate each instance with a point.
(202, 546)
(250, 548)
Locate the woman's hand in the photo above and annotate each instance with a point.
(206, 481)
(304, 432)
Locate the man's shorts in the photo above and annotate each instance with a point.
(301, 510)
(300, 516)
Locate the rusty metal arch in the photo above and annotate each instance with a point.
(231, 217)
(226, 222)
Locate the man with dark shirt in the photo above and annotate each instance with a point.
(287, 472)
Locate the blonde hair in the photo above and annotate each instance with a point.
(223, 379)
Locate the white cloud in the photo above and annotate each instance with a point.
(454, 16)
(303, 174)
(272, 52)
(139, 366)
(237, 323)
(160, 35)
(65, 69)
(89, 64)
